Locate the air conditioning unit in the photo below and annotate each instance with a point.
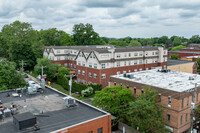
(69, 101)
(130, 76)
(192, 105)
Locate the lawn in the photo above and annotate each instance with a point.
(59, 87)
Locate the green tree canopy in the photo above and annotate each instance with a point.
(61, 78)
(134, 43)
(49, 68)
(10, 78)
(85, 35)
(113, 99)
(18, 38)
(54, 37)
(119, 43)
(145, 114)
(174, 56)
(178, 48)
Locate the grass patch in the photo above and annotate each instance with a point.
(59, 88)
(83, 98)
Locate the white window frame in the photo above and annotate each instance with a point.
(103, 76)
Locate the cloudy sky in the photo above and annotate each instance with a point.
(111, 18)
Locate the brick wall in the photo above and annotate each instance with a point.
(182, 54)
(193, 50)
(62, 62)
(104, 123)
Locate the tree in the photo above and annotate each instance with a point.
(10, 78)
(85, 35)
(49, 68)
(17, 36)
(61, 78)
(163, 39)
(113, 99)
(145, 114)
(119, 43)
(134, 43)
(174, 56)
(54, 37)
(178, 48)
(177, 41)
(198, 68)
(195, 39)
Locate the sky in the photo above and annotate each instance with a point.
(110, 18)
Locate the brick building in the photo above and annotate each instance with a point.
(176, 90)
(52, 114)
(183, 54)
(95, 64)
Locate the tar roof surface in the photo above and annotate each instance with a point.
(184, 52)
(177, 62)
(51, 105)
(174, 80)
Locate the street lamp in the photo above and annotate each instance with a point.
(70, 83)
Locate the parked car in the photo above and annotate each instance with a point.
(33, 84)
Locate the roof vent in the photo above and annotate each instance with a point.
(191, 78)
(130, 76)
(164, 70)
(69, 101)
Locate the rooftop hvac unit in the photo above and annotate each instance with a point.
(192, 105)
(124, 75)
(32, 90)
(191, 78)
(130, 76)
(69, 101)
(7, 112)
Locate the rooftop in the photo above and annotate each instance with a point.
(171, 62)
(184, 52)
(173, 80)
(49, 109)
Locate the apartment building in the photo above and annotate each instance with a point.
(95, 64)
(175, 89)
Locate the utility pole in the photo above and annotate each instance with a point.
(22, 63)
(70, 84)
(193, 107)
(42, 67)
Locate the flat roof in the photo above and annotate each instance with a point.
(184, 52)
(49, 109)
(173, 80)
(171, 62)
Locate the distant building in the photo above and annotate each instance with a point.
(49, 113)
(95, 64)
(176, 90)
(182, 66)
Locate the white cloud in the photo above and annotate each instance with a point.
(112, 18)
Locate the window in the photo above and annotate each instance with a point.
(90, 74)
(125, 55)
(127, 86)
(197, 97)
(103, 76)
(71, 65)
(135, 54)
(129, 54)
(104, 56)
(135, 70)
(164, 66)
(156, 53)
(66, 58)
(152, 53)
(182, 102)
(93, 56)
(118, 73)
(58, 51)
(90, 132)
(100, 130)
(118, 55)
(65, 51)
(135, 62)
(79, 71)
(164, 52)
(71, 51)
(95, 75)
(124, 72)
(187, 100)
(140, 61)
(186, 117)
(58, 58)
(142, 91)
(115, 83)
(83, 63)
(147, 68)
(90, 64)
(74, 65)
(168, 116)
(65, 64)
(95, 65)
(134, 90)
(141, 53)
(181, 120)
(124, 63)
(146, 61)
(129, 71)
(103, 66)
(169, 101)
(146, 53)
(140, 69)
(129, 63)
(159, 97)
(83, 73)
(118, 64)
(75, 51)
(79, 63)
